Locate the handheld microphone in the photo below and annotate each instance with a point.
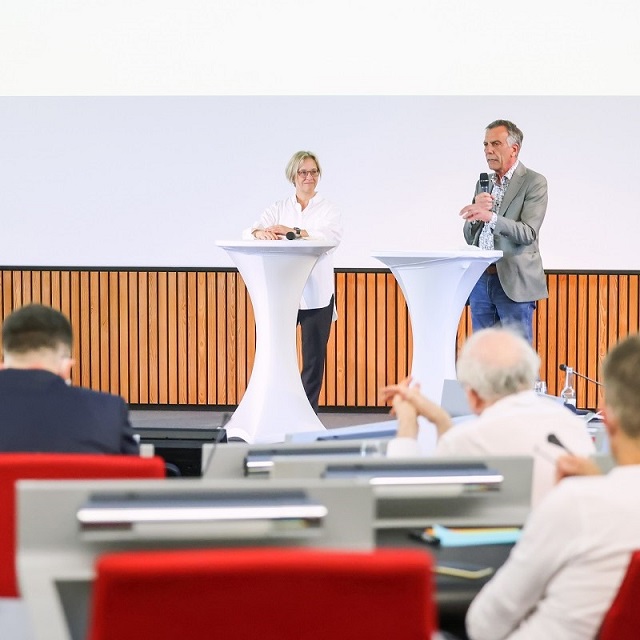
(290, 235)
(563, 367)
(484, 182)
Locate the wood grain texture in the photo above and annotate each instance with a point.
(188, 337)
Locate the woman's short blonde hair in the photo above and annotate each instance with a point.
(294, 164)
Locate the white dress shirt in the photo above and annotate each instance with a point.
(517, 425)
(564, 573)
(323, 222)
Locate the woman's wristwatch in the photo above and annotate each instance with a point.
(297, 231)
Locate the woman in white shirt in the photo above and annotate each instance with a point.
(307, 214)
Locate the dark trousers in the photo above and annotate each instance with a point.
(315, 325)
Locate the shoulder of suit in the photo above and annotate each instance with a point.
(529, 173)
(92, 394)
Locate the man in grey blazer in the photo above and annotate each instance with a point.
(507, 215)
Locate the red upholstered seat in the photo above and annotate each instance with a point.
(622, 621)
(53, 466)
(267, 594)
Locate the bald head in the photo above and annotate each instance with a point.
(496, 363)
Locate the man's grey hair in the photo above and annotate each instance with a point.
(496, 363)
(621, 376)
(514, 135)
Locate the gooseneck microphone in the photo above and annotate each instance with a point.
(552, 438)
(484, 182)
(563, 367)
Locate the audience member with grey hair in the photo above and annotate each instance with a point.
(564, 572)
(496, 375)
(497, 368)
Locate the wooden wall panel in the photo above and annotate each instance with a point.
(188, 337)
(135, 319)
(337, 346)
(211, 328)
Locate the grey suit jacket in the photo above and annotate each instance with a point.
(516, 234)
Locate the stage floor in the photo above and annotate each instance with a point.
(207, 418)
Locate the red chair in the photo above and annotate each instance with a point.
(267, 593)
(53, 466)
(622, 621)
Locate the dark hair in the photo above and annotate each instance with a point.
(514, 135)
(33, 327)
(621, 376)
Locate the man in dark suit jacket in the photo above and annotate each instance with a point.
(507, 218)
(39, 410)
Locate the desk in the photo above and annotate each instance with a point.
(275, 273)
(453, 595)
(55, 563)
(436, 285)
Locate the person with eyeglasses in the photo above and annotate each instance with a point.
(40, 411)
(307, 214)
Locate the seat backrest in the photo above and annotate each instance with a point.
(52, 466)
(622, 621)
(267, 593)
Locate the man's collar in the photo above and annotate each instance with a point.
(509, 173)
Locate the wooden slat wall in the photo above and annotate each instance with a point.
(188, 337)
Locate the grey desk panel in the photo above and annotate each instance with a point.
(412, 506)
(236, 460)
(56, 559)
(225, 461)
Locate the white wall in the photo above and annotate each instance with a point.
(348, 47)
(102, 178)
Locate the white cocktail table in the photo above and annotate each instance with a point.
(436, 285)
(275, 272)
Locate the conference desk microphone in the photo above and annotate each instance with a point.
(552, 438)
(563, 367)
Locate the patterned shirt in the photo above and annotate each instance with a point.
(498, 189)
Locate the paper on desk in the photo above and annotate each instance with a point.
(477, 536)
